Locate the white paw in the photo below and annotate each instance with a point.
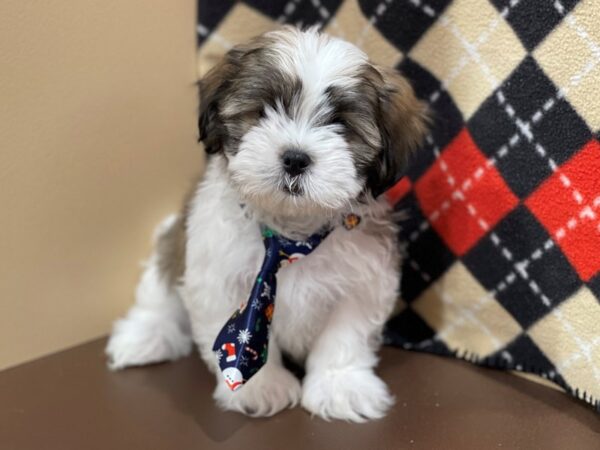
(143, 338)
(356, 395)
(266, 393)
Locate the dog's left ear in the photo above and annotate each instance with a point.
(402, 124)
(212, 89)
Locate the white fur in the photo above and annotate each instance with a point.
(330, 307)
(318, 59)
(156, 328)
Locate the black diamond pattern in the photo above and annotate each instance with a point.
(520, 234)
(532, 32)
(403, 23)
(523, 354)
(300, 13)
(427, 251)
(558, 132)
(408, 327)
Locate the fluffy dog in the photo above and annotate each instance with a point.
(301, 129)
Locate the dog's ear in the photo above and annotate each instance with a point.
(212, 89)
(402, 124)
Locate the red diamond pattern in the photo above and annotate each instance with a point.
(568, 205)
(462, 195)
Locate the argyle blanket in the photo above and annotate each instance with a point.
(502, 239)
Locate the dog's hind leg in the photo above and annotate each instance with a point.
(156, 328)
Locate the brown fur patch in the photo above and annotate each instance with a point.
(234, 93)
(170, 246)
(404, 115)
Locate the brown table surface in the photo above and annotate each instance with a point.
(71, 401)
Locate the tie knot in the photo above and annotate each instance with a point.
(282, 251)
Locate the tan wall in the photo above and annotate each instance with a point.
(97, 143)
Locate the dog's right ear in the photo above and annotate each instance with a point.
(403, 122)
(212, 89)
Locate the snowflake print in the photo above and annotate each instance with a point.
(219, 355)
(256, 303)
(266, 291)
(244, 336)
(243, 360)
(231, 328)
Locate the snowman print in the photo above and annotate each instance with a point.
(233, 378)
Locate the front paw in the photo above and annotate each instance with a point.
(355, 395)
(266, 393)
(144, 339)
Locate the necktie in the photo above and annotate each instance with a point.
(241, 346)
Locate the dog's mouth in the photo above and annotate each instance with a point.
(292, 186)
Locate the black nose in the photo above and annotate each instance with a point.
(295, 162)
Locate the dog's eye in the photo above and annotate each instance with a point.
(261, 113)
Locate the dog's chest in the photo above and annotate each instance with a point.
(221, 273)
(306, 290)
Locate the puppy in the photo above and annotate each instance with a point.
(348, 127)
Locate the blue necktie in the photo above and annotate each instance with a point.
(241, 347)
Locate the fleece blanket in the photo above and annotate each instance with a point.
(502, 240)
